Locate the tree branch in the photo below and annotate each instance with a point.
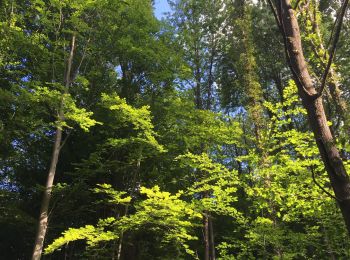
(334, 46)
(273, 9)
(279, 20)
(323, 189)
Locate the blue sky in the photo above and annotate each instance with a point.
(161, 6)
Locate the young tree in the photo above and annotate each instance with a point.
(66, 109)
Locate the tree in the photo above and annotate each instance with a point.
(65, 110)
(312, 100)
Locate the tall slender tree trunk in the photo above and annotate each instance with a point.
(212, 241)
(210, 72)
(133, 188)
(197, 77)
(43, 217)
(206, 236)
(312, 101)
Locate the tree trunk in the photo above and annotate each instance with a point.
(312, 101)
(212, 240)
(133, 188)
(206, 236)
(40, 236)
(197, 77)
(211, 76)
(43, 218)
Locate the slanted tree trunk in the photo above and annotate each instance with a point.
(312, 101)
(43, 217)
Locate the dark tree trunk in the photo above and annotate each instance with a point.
(212, 240)
(210, 76)
(206, 236)
(312, 101)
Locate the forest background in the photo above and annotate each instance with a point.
(217, 132)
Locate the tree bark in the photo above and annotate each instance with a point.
(312, 101)
(43, 217)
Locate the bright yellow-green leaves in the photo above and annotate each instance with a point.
(115, 197)
(165, 213)
(92, 235)
(281, 188)
(173, 217)
(71, 113)
(161, 212)
(138, 118)
(282, 112)
(216, 186)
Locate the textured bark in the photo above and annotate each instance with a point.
(313, 103)
(43, 217)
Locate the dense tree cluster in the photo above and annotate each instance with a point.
(219, 132)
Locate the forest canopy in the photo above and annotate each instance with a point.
(219, 131)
